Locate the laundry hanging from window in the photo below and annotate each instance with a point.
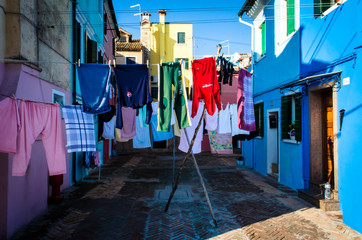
(246, 117)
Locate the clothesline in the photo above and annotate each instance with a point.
(14, 97)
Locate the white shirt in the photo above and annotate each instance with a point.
(235, 130)
(224, 120)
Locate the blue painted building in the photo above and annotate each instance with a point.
(92, 21)
(307, 94)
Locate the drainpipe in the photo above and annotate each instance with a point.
(74, 84)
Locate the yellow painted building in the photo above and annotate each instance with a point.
(170, 42)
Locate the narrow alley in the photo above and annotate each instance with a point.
(129, 200)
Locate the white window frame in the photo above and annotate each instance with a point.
(280, 24)
(125, 59)
(177, 38)
(259, 20)
(60, 94)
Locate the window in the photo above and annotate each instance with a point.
(58, 97)
(259, 118)
(181, 38)
(131, 60)
(263, 39)
(290, 16)
(184, 59)
(291, 117)
(105, 23)
(91, 50)
(321, 6)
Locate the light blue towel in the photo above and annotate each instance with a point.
(159, 136)
(142, 139)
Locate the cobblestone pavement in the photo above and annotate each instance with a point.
(129, 202)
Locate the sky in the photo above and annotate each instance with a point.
(213, 22)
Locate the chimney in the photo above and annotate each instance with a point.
(162, 14)
(145, 16)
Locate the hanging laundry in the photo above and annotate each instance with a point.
(108, 129)
(129, 121)
(220, 143)
(80, 129)
(94, 82)
(112, 96)
(159, 136)
(231, 72)
(224, 120)
(235, 130)
(225, 66)
(117, 135)
(133, 89)
(92, 160)
(155, 111)
(170, 74)
(246, 118)
(104, 118)
(206, 85)
(9, 124)
(196, 148)
(211, 121)
(44, 119)
(142, 138)
(142, 113)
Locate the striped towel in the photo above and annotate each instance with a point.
(80, 129)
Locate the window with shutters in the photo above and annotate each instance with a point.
(181, 38)
(291, 117)
(186, 60)
(259, 118)
(263, 39)
(323, 7)
(91, 53)
(290, 16)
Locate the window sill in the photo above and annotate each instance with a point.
(290, 141)
(329, 10)
(260, 58)
(258, 137)
(181, 44)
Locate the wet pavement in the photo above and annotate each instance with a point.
(129, 200)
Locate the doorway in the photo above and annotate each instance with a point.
(322, 141)
(273, 143)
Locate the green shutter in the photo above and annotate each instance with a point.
(180, 37)
(261, 113)
(256, 113)
(285, 116)
(263, 40)
(91, 56)
(317, 10)
(186, 63)
(290, 16)
(298, 117)
(325, 4)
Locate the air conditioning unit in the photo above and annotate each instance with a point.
(154, 79)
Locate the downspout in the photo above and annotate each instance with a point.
(252, 70)
(74, 82)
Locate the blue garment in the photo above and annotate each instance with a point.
(159, 136)
(142, 139)
(94, 81)
(133, 90)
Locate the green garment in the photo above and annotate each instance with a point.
(170, 74)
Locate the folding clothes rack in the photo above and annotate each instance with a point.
(196, 166)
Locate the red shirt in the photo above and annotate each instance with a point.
(206, 85)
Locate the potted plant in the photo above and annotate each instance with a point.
(291, 132)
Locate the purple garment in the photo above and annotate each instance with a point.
(246, 117)
(129, 123)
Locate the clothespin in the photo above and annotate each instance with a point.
(114, 62)
(109, 63)
(161, 61)
(78, 62)
(213, 55)
(13, 96)
(148, 63)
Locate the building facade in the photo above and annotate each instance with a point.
(35, 65)
(166, 42)
(306, 85)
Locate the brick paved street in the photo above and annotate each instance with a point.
(129, 202)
